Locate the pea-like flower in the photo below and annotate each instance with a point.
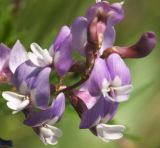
(110, 78)
(59, 54)
(95, 112)
(43, 120)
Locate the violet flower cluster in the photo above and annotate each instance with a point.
(105, 78)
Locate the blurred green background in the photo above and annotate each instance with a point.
(39, 21)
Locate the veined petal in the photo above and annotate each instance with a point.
(18, 56)
(16, 101)
(61, 37)
(102, 111)
(63, 56)
(12, 97)
(50, 115)
(92, 11)
(123, 90)
(79, 34)
(116, 13)
(109, 132)
(21, 74)
(117, 67)
(40, 57)
(98, 74)
(88, 100)
(39, 87)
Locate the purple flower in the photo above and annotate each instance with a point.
(94, 113)
(10, 60)
(98, 26)
(59, 53)
(33, 81)
(43, 120)
(110, 78)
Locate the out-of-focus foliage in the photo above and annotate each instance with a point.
(39, 21)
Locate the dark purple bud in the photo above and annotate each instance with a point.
(142, 48)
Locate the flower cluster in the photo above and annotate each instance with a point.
(105, 78)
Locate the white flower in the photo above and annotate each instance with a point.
(40, 57)
(16, 101)
(109, 132)
(50, 134)
(121, 91)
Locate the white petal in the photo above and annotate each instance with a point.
(13, 97)
(40, 57)
(105, 87)
(122, 98)
(109, 132)
(12, 106)
(37, 50)
(123, 90)
(35, 60)
(117, 81)
(21, 106)
(46, 132)
(52, 140)
(57, 132)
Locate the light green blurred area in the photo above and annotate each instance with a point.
(39, 21)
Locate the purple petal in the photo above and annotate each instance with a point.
(53, 113)
(108, 38)
(39, 86)
(63, 57)
(98, 74)
(113, 12)
(117, 13)
(117, 67)
(92, 12)
(21, 74)
(79, 34)
(101, 112)
(4, 56)
(61, 37)
(18, 56)
(5, 73)
(87, 99)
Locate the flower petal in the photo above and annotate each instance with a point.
(103, 111)
(117, 67)
(79, 34)
(40, 57)
(98, 74)
(109, 132)
(116, 13)
(12, 97)
(61, 37)
(4, 56)
(88, 100)
(49, 115)
(39, 86)
(63, 57)
(18, 56)
(21, 74)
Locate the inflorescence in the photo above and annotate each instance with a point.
(105, 79)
